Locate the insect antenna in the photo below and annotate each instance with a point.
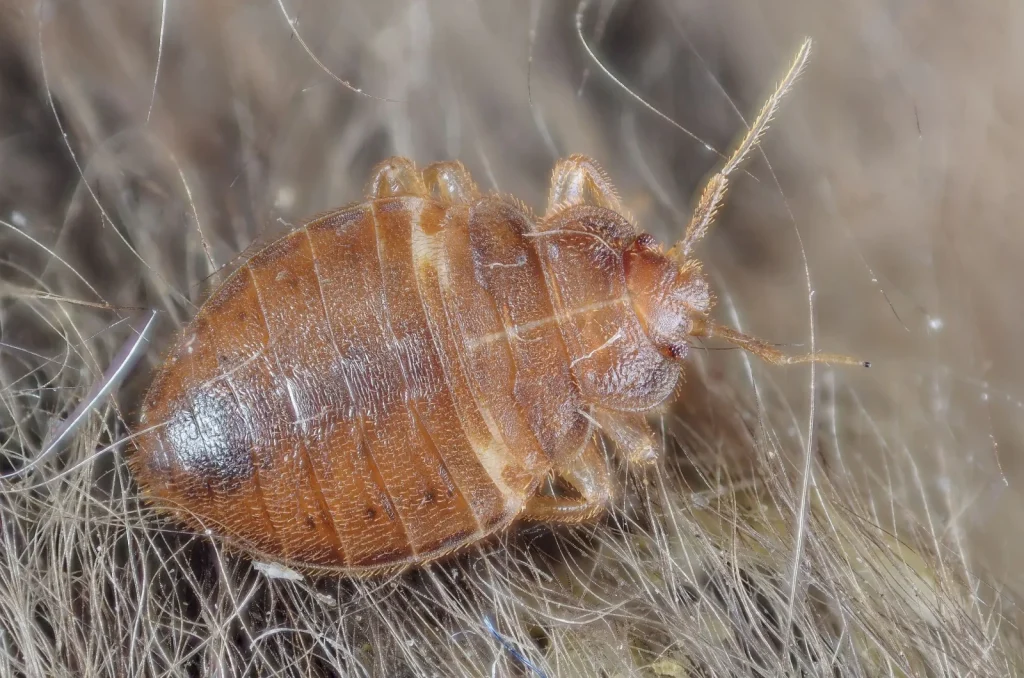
(772, 355)
(714, 190)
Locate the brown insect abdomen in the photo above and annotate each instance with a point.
(357, 395)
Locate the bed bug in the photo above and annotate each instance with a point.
(403, 377)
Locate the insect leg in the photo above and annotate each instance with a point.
(451, 182)
(714, 191)
(634, 440)
(578, 180)
(588, 476)
(393, 177)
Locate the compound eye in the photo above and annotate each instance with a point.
(646, 241)
(678, 350)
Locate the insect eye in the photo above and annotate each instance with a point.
(678, 350)
(646, 241)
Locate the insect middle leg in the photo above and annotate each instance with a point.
(394, 177)
(450, 182)
(588, 475)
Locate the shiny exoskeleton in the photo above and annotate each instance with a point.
(406, 376)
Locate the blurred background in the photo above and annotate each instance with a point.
(805, 522)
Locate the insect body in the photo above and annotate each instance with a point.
(403, 377)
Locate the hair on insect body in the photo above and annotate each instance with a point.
(406, 376)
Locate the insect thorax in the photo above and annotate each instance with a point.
(614, 361)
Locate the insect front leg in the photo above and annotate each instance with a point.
(394, 177)
(588, 476)
(579, 180)
(450, 182)
(634, 439)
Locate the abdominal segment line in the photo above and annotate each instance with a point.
(558, 318)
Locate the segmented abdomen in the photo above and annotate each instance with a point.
(383, 385)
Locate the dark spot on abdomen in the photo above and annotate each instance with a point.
(207, 438)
